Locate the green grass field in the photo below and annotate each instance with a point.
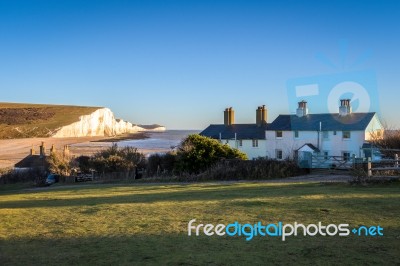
(129, 224)
(20, 120)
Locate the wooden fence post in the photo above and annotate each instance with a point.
(369, 167)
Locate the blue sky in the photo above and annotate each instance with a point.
(180, 63)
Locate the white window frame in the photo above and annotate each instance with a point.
(344, 156)
(343, 134)
(254, 143)
(276, 134)
(277, 151)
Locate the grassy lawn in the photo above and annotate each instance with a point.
(147, 224)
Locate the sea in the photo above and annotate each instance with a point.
(159, 141)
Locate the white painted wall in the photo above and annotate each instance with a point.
(374, 126)
(334, 144)
(247, 147)
(288, 143)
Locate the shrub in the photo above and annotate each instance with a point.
(116, 159)
(259, 169)
(390, 142)
(197, 153)
(83, 162)
(10, 176)
(161, 164)
(59, 163)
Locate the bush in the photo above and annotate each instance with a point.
(116, 159)
(197, 153)
(390, 141)
(83, 162)
(259, 169)
(11, 176)
(161, 164)
(59, 164)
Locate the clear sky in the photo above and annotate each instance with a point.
(180, 63)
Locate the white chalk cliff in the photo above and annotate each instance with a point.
(100, 123)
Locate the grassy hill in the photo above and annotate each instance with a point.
(20, 120)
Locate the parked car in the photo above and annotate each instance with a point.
(82, 177)
(52, 178)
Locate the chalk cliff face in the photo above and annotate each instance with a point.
(98, 124)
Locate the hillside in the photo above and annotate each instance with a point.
(39, 120)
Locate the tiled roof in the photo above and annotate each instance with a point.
(31, 161)
(329, 122)
(311, 147)
(243, 131)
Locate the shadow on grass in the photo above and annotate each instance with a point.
(315, 192)
(180, 249)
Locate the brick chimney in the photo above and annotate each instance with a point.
(53, 149)
(229, 116)
(261, 116)
(33, 152)
(345, 107)
(302, 110)
(42, 150)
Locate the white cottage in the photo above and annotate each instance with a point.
(339, 134)
(343, 134)
(248, 138)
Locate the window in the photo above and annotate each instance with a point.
(346, 156)
(325, 134)
(326, 155)
(296, 134)
(334, 133)
(240, 143)
(255, 143)
(279, 154)
(346, 135)
(278, 134)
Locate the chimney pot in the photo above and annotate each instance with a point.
(302, 110)
(261, 115)
(229, 116)
(42, 150)
(345, 107)
(33, 150)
